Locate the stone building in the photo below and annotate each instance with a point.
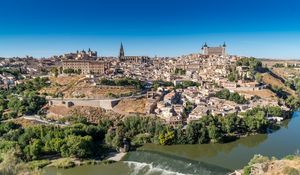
(86, 66)
(194, 66)
(80, 55)
(85, 62)
(133, 59)
(219, 51)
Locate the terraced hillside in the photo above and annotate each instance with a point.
(276, 81)
(81, 87)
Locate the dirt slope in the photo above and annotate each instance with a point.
(267, 78)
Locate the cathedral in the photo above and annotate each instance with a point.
(133, 59)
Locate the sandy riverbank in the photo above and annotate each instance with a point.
(115, 156)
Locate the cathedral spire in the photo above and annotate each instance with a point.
(224, 45)
(122, 53)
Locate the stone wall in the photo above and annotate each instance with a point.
(106, 104)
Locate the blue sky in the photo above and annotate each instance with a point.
(261, 28)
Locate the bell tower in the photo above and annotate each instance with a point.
(224, 49)
(204, 49)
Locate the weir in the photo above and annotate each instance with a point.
(150, 162)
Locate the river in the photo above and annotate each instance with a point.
(198, 159)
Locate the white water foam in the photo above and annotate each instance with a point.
(148, 169)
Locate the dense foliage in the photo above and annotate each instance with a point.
(180, 71)
(78, 140)
(227, 95)
(22, 99)
(253, 63)
(209, 128)
(70, 71)
(159, 83)
(233, 76)
(186, 84)
(294, 84)
(122, 82)
(14, 72)
(93, 141)
(278, 65)
(293, 102)
(30, 85)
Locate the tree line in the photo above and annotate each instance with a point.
(94, 140)
(208, 129)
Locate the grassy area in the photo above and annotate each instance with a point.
(72, 162)
(64, 163)
(38, 164)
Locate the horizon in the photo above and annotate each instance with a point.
(268, 29)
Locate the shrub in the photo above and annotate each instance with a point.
(290, 157)
(141, 139)
(290, 171)
(258, 159)
(247, 170)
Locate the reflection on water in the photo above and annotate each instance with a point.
(188, 159)
(206, 150)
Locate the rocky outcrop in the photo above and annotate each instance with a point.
(261, 165)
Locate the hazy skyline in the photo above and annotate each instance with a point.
(268, 28)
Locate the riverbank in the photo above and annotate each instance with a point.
(187, 159)
(34, 167)
(289, 165)
(112, 157)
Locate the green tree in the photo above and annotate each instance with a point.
(60, 70)
(258, 77)
(191, 133)
(293, 102)
(225, 94)
(167, 138)
(231, 123)
(54, 71)
(256, 123)
(54, 145)
(214, 133)
(203, 136)
(78, 146)
(34, 150)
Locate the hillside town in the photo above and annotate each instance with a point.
(177, 90)
(149, 87)
(91, 106)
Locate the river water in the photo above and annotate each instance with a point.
(198, 159)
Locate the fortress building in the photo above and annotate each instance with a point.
(219, 51)
(133, 59)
